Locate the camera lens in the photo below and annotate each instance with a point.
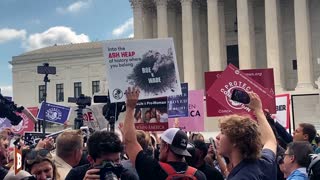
(110, 176)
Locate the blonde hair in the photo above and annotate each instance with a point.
(67, 142)
(244, 133)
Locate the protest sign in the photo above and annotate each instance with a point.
(26, 123)
(151, 114)
(232, 78)
(178, 105)
(90, 120)
(148, 64)
(54, 113)
(283, 110)
(31, 138)
(195, 120)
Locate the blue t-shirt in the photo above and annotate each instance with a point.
(264, 168)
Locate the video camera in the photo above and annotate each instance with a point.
(109, 170)
(8, 110)
(82, 100)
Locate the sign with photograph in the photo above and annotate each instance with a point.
(149, 64)
(151, 114)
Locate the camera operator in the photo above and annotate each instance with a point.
(104, 149)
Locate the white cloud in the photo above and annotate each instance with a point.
(9, 66)
(7, 34)
(54, 35)
(74, 7)
(6, 90)
(131, 35)
(123, 28)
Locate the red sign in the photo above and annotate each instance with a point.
(152, 126)
(219, 86)
(26, 124)
(17, 160)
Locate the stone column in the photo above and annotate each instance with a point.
(216, 60)
(188, 48)
(162, 17)
(273, 39)
(172, 23)
(179, 45)
(246, 34)
(198, 58)
(303, 44)
(137, 18)
(147, 22)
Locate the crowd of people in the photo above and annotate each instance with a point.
(245, 149)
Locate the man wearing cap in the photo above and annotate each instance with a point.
(173, 147)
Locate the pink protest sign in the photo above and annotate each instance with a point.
(232, 78)
(195, 120)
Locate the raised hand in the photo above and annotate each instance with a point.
(132, 95)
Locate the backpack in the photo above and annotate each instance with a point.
(189, 174)
(314, 167)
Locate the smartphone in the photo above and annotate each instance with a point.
(240, 96)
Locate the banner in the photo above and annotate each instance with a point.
(26, 123)
(151, 114)
(283, 110)
(195, 120)
(54, 113)
(178, 105)
(149, 64)
(232, 78)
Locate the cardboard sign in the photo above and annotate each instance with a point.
(178, 105)
(283, 110)
(54, 113)
(149, 64)
(17, 160)
(90, 120)
(195, 120)
(232, 78)
(151, 114)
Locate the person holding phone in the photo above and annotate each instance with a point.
(249, 145)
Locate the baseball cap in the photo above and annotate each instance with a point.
(177, 139)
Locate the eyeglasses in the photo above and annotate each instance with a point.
(33, 155)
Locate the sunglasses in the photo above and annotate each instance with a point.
(34, 155)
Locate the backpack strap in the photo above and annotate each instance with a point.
(167, 168)
(191, 171)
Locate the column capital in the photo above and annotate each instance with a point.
(161, 3)
(136, 3)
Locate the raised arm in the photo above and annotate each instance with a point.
(129, 130)
(267, 136)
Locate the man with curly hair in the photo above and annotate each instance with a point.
(249, 145)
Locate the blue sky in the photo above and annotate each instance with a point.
(32, 24)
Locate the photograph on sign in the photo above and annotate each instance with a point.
(263, 77)
(149, 64)
(195, 119)
(178, 105)
(229, 80)
(151, 114)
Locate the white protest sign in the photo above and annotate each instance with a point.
(149, 64)
(283, 110)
